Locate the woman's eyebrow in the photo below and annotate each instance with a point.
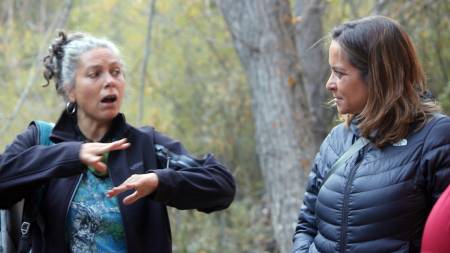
(338, 68)
(93, 67)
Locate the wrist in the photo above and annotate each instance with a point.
(153, 180)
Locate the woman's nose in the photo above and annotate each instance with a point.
(331, 84)
(109, 80)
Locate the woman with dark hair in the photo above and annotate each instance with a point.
(378, 174)
(104, 185)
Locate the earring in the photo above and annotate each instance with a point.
(71, 108)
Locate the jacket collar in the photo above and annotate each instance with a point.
(66, 129)
(354, 126)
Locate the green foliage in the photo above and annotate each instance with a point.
(444, 98)
(22, 37)
(244, 227)
(427, 23)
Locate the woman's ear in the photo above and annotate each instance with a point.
(70, 94)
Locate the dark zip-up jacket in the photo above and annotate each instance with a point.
(379, 200)
(26, 166)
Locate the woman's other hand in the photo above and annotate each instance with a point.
(91, 154)
(143, 184)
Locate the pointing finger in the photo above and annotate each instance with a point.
(116, 145)
(119, 189)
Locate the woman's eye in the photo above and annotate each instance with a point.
(338, 74)
(116, 72)
(93, 74)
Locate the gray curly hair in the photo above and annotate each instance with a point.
(62, 61)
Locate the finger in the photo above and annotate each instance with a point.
(92, 159)
(123, 140)
(130, 199)
(89, 159)
(118, 189)
(99, 166)
(113, 192)
(122, 146)
(117, 145)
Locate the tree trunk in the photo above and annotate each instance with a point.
(314, 63)
(147, 45)
(262, 33)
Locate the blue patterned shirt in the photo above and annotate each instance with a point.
(94, 220)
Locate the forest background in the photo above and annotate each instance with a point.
(243, 79)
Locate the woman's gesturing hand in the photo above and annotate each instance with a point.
(91, 153)
(143, 184)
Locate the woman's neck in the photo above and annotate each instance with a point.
(92, 129)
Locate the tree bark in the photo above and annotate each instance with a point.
(310, 47)
(262, 33)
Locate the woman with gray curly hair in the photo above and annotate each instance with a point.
(104, 185)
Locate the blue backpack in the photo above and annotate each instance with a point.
(16, 221)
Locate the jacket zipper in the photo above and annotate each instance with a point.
(68, 205)
(168, 161)
(344, 216)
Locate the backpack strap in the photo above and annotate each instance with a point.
(32, 202)
(44, 130)
(354, 148)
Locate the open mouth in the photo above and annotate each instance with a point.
(109, 99)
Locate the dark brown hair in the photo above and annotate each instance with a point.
(398, 101)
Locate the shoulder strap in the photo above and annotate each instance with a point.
(354, 148)
(32, 202)
(44, 131)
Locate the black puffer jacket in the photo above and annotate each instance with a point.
(379, 201)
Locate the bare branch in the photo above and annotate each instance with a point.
(147, 46)
(59, 21)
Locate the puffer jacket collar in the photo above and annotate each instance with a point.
(354, 126)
